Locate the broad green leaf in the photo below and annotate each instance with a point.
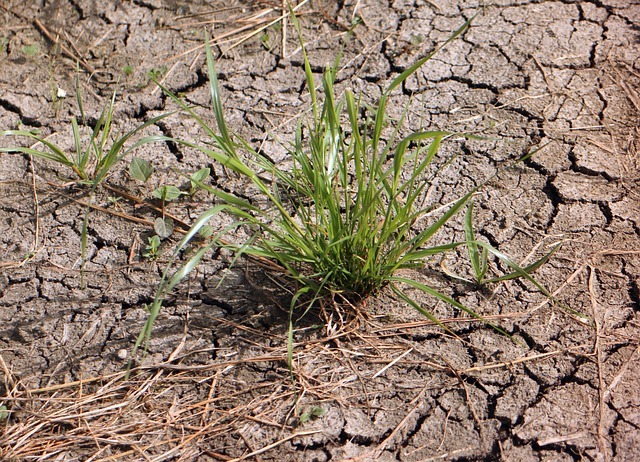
(167, 193)
(163, 227)
(199, 177)
(140, 169)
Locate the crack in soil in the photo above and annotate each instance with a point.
(55, 331)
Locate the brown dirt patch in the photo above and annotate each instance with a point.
(391, 386)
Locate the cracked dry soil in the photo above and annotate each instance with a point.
(214, 386)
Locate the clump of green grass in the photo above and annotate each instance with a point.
(340, 221)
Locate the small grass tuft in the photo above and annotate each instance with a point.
(94, 156)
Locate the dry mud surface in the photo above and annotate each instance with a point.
(215, 386)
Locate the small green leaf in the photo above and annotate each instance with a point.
(167, 193)
(155, 74)
(4, 413)
(199, 177)
(266, 41)
(30, 50)
(314, 413)
(163, 227)
(140, 169)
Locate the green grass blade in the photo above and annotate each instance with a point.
(56, 155)
(427, 234)
(81, 161)
(440, 296)
(472, 247)
(154, 310)
(527, 269)
(405, 75)
(307, 65)
(210, 132)
(521, 272)
(358, 146)
(79, 97)
(381, 115)
(93, 143)
(531, 153)
(216, 99)
(419, 308)
(455, 276)
(228, 198)
(419, 255)
(484, 262)
(166, 285)
(42, 154)
(106, 130)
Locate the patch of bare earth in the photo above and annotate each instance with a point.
(382, 385)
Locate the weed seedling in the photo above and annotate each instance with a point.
(163, 226)
(152, 249)
(4, 413)
(197, 178)
(155, 74)
(94, 157)
(265, 39)
(312, 414)
(167, 193)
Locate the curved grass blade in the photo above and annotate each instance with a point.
(42, 154)
(405, 75)
(521, 272)
(440, 296)
(216, 99)
(420, 309)
(56, 155)
(527, 269)
(478, 259)
(165, 286)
